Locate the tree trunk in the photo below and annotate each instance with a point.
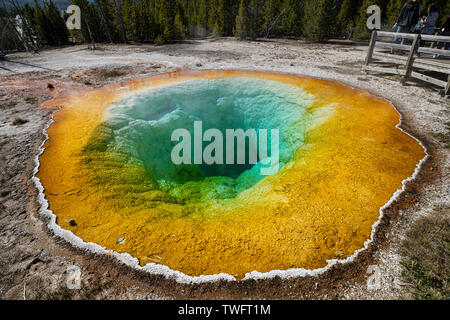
(2, 50)
(26, 28)
(119, 16)
(103, 21)
(90, 33)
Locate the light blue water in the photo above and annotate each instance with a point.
(141, 125)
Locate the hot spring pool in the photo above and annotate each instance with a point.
(139, 127)
(109, 177)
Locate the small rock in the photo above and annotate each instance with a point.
(50, 86)
(5, 193)
(19, 121)
(72, 223)
(121, 240)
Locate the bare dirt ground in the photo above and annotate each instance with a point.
(33, 263)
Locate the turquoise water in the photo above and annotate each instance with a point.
(140, 126)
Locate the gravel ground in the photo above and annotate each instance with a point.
(34, 264)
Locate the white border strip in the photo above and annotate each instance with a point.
(158, 269)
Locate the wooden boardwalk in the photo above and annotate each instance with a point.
(426, 63)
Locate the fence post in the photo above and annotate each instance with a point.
(447, 89)
(410, 61)
(373, 39)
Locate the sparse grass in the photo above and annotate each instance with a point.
(363, 79)
(443, 138)
(426, 253)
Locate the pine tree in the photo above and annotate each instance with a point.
(347, 16)
(202, 18)
(231, 11)
(242, 30)
(180, 29)
(271, 23)
(109, 26)
(42, 25)
(215, 19)
(167, 20)
(89, 23)
(445, 12)
(319, 20)
(167, 12)
(60, 33)
(256, 18)
(249, 20)
(118, 20)
(142, 21)
(105, 26)
(154, 27)
(130, 19)
(290, 19)
(221, 17)
(393, 10)
(28, 14)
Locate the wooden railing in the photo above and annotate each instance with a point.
(413, 65)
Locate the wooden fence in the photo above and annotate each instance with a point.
(417, 64)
